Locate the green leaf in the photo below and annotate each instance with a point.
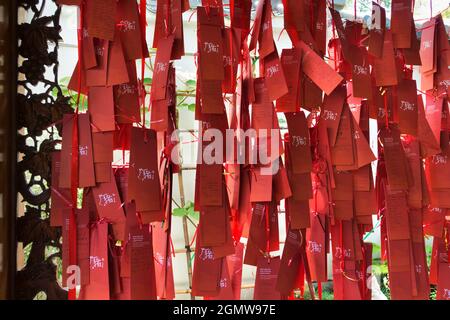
(191, 83)
(179, 212)
(148, 80)
(191, 107)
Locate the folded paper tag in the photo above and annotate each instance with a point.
(102, 18)
(143, 179)
(266, 279)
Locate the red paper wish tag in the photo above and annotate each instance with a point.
(117, 67)
(85, 160)
(318, 70)
(102, 143)
(261, 185)
(274, 76)
(102, 18)
(443, 291)
(290, 262)
(235, 268)
(434, 221)
(82, 244)
(433, 114)
(89, 57)
(262, 108)
(290, 62)
(397, 219)
(207, 272)
(231, 55)
(412, 54)
(211, 97)
(142, 268)
(126, 98)
(97, 76)
(213, 221)
(102, 172)
(364, 154)
(331, 115)
(385, 68)
(85, 154)
(143, 179)
(258, 238)
(61, 198)
(427, 47)
(210, 44)
(438, 170)
(109, 206)
(240, 17)
(396, 163)
(163, 262)
(299, 142)
(407, 107)
(266, 279)
(101, 108)
(161, 68)
(225, 285)
(402, 18)
(316, 247)
(130, 30)
(362, 82)
(98, 288)
(266, 44)
(412, 153)
(210, 179)
(343, 152)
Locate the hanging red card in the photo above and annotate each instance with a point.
(130, 31)
(407, 107)
(101, 108)
(274, 76)
(207, 272)
(85, 156)
(331, 115)
(101, 18)
(210, 184)
(427, 46)
(443, 291)
(97, 76)
(161, 68)
(241, 11)
(126, 98)
(299, 142)
(82, 243)
(290, 62)
(109, 206)
(266, 279)
(210, 44)
(142, 268)
(165, 286)
(98, 288)
(402, 18)
(396, 166)
(266, 44)
(117, 67)
(290, 262)
(362, 82)
(61, 198)
(143, 179)
(318, 70)
(385, 68)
